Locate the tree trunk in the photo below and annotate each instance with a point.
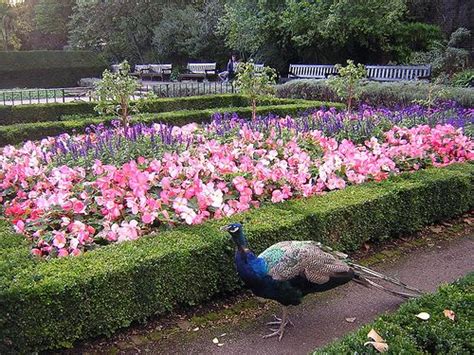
(254, 109)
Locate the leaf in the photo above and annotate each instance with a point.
(380, 347)
(350, 320)
(215, 341)
(449, 314)
(423, 315)
(375, 336)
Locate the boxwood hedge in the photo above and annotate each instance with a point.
(60, 111)
(406, 334)
(17, 133)
(51, 304)
(47, 69)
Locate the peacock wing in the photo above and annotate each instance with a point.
(286, 260)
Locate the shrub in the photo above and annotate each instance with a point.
(374, 93)
(347, 83)
(36, 69)
(60, 111)
(51, 304)
(254, 82)
(114, 93)
(464, 78)
(18, 133)
(405, 333)
(447, 58)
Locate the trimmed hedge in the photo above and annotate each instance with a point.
(406, 334)
(18, 133)
(51, 304)
(374, 93)
(58, 111)
(47, 69)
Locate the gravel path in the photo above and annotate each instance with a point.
(322, 318)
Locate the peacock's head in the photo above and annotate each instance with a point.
(237, 233)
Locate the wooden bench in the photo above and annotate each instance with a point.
(305, 71)
(158, 71)
(200, 71)
(374, 72)
(398, 72)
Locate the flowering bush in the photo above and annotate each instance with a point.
(195, 173)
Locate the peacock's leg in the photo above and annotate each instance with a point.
(283, 323)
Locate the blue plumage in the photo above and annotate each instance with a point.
(287, 271)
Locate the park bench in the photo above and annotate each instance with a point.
(398, 72)
(374, 72)
(158, 71)
(199, 71)
(308, 71)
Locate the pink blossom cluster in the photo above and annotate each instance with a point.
(65, 210)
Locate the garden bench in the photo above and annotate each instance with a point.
(158, 71)
(200, 71)
(309, 71)
(398, 72)
(374, 72)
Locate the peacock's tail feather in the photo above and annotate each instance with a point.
(368, 277)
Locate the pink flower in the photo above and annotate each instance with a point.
(59, 240)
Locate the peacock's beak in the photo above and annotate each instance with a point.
(225, 228)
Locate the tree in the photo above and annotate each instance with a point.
(7, 23)
(120, 28)
(51, 18)
(347, 83)
(197, 39)
(254, 82)
(115, 92)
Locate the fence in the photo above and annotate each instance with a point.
(171, 89)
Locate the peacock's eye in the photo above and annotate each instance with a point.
(234, 229)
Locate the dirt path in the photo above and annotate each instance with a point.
(321, 319)
(425, 262)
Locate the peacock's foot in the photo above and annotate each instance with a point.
(277, 332)
(277, 321)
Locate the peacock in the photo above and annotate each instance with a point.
(287, 271)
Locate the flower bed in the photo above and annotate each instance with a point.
(71, 194)
(405, 333)
(50, 304)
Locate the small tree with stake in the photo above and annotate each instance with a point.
(115, 92)
(347, 83)
(254, 82)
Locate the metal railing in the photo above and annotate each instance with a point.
(12, 97)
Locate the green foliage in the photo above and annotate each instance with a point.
(13, 134)
(464, 78)
(374, 93)
(278, 32)
(405, 333)
(447, 57)
(109, 288)
(81, 110)
(198, 39)
(47, 68)
(412, 37)
(347, 83)
(115, 91)
(254, 82)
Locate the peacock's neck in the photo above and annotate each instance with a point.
(248, 265)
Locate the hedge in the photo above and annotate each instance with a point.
(407, 334)
(374, 93)
(59, 111)
(50, 304)
(18, 133)
(47, 69)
